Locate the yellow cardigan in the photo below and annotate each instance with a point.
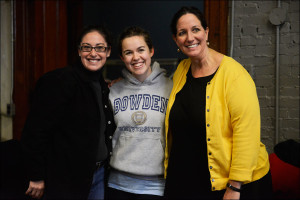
(232, 125)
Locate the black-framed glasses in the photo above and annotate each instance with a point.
(87, 48)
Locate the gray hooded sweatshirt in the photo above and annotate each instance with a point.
(139, 112)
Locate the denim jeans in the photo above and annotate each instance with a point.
(97, 188)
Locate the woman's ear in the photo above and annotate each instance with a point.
(174, 38)
(108, 52)
(207, 31)
(152, 52)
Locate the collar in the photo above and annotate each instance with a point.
(87, 75)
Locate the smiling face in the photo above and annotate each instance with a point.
(93, 60)
(191, 37)
(137, 57)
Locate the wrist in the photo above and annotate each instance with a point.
(233, 188)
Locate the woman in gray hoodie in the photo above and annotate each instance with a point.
(139, 104)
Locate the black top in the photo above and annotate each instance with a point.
(188, 162)
(62, 132)
(102, 149)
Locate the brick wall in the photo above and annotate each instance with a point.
(255, 49)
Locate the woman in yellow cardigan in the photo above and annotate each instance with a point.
(213, 147)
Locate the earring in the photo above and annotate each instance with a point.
(178, 50)
(207, 42)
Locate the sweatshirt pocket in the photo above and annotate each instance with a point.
(138, 155)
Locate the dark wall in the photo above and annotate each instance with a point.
(154, 16)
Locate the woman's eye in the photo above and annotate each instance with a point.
(86, 48)
(195, 30)
(100, 48)
(141, 50)
(127, 53)
(181, 33)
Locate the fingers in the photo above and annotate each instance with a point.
(114, 81)
(35, 189)
(28, 191)
(35, 193)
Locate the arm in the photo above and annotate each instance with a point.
(231, 194)
(45, 114)
(244, 110)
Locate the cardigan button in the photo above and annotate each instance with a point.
(110, 137)
(212, 180)
(109, 122)
(208, 125)
(105, 106)
(207, 110)
(209, 153)
(208, 139)
(208, 97)
(210, 167)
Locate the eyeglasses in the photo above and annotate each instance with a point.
(86, 48)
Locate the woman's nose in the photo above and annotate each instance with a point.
(135, 56)
(190, 36)
(93, 52)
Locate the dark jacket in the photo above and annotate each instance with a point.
(61, 134)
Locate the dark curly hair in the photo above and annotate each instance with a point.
(101, 29)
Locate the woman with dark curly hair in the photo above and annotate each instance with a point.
(66, 138)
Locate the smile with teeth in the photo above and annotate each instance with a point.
(192, 46)
(93, 60)
(137, 65)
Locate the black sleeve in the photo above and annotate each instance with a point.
(46, 112)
